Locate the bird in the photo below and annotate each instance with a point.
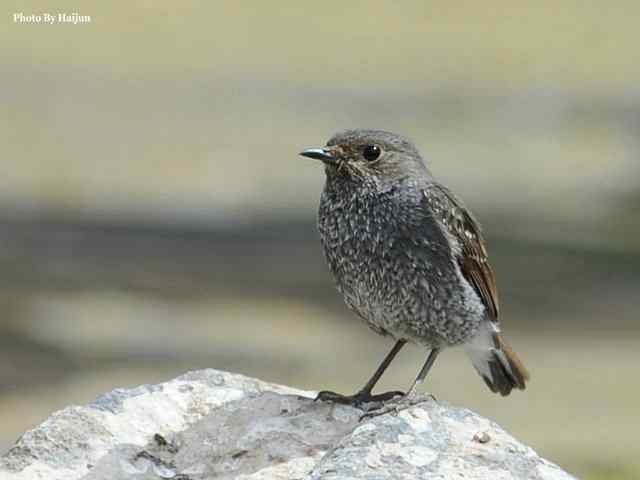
(409, 259)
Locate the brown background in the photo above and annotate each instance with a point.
(155, 218)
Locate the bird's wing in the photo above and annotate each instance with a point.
(472, 258)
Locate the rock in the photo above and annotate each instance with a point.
(212, 424)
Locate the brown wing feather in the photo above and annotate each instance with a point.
(473, 258)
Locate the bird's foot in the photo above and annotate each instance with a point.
(362, 400)
(397, 405)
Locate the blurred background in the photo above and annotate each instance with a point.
(155, 217)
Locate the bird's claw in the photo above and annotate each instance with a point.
(359, 399)
(396, 406)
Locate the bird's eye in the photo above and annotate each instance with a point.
(371, 152)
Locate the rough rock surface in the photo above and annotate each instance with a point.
(212, 424)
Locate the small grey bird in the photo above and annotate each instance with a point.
(409, 258)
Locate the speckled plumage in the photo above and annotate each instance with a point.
(391, 259)
(407, 255)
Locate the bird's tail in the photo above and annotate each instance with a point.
(496, 362)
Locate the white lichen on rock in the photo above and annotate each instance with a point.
(212, 424)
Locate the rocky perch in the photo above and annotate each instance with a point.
(212, 424)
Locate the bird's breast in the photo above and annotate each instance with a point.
(362, 236)
(393, 266)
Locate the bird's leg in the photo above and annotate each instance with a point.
(433, 354)
(364, 394)
(410, 398)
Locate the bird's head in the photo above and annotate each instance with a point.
(368, 156)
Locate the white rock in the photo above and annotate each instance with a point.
(212, 424)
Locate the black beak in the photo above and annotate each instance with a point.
(323, 154)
